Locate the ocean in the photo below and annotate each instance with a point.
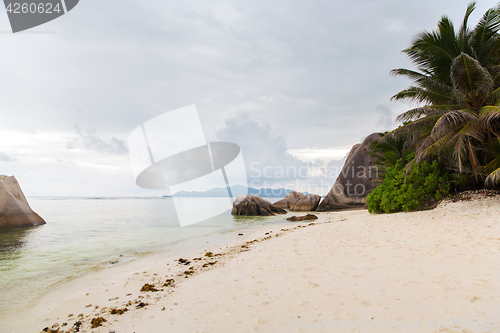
(84, 234)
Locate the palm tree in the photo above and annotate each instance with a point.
(458, 80)
(389, 150)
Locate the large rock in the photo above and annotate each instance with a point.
(239, 199)
(289, 200)
(14, 208)
(253, 205)
(355, 181)
(306, 203)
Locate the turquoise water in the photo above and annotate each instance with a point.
(83, 234)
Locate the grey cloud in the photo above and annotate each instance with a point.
(268, 161)
(278, 60)
(385, 118)
(90, 140)
(266, 155)
(5, 158)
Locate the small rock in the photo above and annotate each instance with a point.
(97, 321)
(307, 217)
(169, 283)
(141, 305)
(76, 326)
(183, 261)
(148, 287)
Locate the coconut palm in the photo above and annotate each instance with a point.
(458, 80)
(393, 147)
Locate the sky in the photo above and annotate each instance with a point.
(293, 83)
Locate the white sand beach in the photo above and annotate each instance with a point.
(428, 271)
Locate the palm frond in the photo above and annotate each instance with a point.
(421, 95)
(493, 178)
(451, 120)
(463, 32)
(471, 79)
(492, 168)
(485, 35)
(425, 111)
(489, 114)
(464, 150)
(414, 75)
(430, 146)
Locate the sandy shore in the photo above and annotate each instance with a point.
(426, 271)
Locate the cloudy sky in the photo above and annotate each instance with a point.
(292, 82)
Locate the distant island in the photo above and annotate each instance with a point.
(235, 191)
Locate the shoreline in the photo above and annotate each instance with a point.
(424, 267)
(43, 258)
(72, 290)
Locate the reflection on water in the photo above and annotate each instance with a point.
(11, 239)
(11, 243)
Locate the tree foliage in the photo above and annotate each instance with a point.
(458, 81)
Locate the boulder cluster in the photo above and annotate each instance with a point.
(296, 201)
(253, 205)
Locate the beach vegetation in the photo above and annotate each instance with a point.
(422, 188)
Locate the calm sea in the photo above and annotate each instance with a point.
(84, 234)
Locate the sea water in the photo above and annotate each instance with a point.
(84, 234)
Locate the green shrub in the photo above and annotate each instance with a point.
(420, 189)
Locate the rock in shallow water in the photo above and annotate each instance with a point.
(253, 205)
(14, 208)
(289, 200)
(307, 217)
